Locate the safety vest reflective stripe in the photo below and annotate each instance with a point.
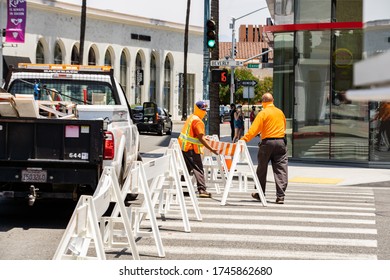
(187, 139)
(192, 140)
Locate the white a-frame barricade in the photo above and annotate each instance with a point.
(148, 178)
(181, 171)
(241, 157)
(87, 224)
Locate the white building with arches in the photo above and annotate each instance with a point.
(147, 55)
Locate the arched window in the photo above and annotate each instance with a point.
(152, 87)
(138, 79)
(75, 58)
(123, 71)
(39, 53)
(167, 84)
(107, 58)
(91, 57)
(57, 54)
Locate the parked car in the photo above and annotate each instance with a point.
(224, 114)
(137, 114)
(155, 119)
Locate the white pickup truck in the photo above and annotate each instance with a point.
(60, 125)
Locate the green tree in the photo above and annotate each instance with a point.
(242, 74)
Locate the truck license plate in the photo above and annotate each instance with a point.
(39, 176)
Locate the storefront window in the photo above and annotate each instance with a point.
(309, 11)
(284, 12)
(312, 84)
(40, 53)
(123, 72)
(153, 77)
(138, 79)
(91, 57)
(167, 83)
(107, 58)
(75, 58)
(349, 120)
(344, 13)
(57, 54)
(283, 90)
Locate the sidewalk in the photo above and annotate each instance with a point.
(309, 173)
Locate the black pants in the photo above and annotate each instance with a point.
(275, 151)
(194, 163)
(233, 131)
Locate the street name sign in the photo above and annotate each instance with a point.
(230, 63)
(253, 65)
(248, 83)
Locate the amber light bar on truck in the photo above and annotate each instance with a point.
(64, 67)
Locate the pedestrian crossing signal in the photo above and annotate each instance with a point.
(220, 76)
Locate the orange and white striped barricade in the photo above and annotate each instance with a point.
(240, 157)
(87, 225)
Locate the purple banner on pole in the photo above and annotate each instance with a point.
(16, 21)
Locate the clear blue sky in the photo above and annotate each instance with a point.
(175, 10)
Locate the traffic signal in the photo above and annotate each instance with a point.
(264, 57)
(220, 76)
(235, 51)
(211, 34)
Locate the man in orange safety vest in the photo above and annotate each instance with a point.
(192, 141)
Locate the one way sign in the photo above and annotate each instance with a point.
(248, 83)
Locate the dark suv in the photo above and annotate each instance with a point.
(154, 119)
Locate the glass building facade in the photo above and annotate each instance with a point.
(316, 43)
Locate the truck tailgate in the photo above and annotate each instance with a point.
(51, 140)
(50, 151)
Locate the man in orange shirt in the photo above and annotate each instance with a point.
(270, 123)
(192, 140)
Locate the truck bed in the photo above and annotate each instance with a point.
(49, 151)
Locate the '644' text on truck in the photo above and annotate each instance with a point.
(60, 125)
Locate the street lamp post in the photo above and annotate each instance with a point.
(233, 56)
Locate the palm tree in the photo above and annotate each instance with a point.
(82, 30)
(214, 125)
(184, 111)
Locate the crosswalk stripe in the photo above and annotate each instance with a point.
(290, 204)
(271, 239)
(257, 253)
(252, 218)
(264, 210)
(215, 225)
